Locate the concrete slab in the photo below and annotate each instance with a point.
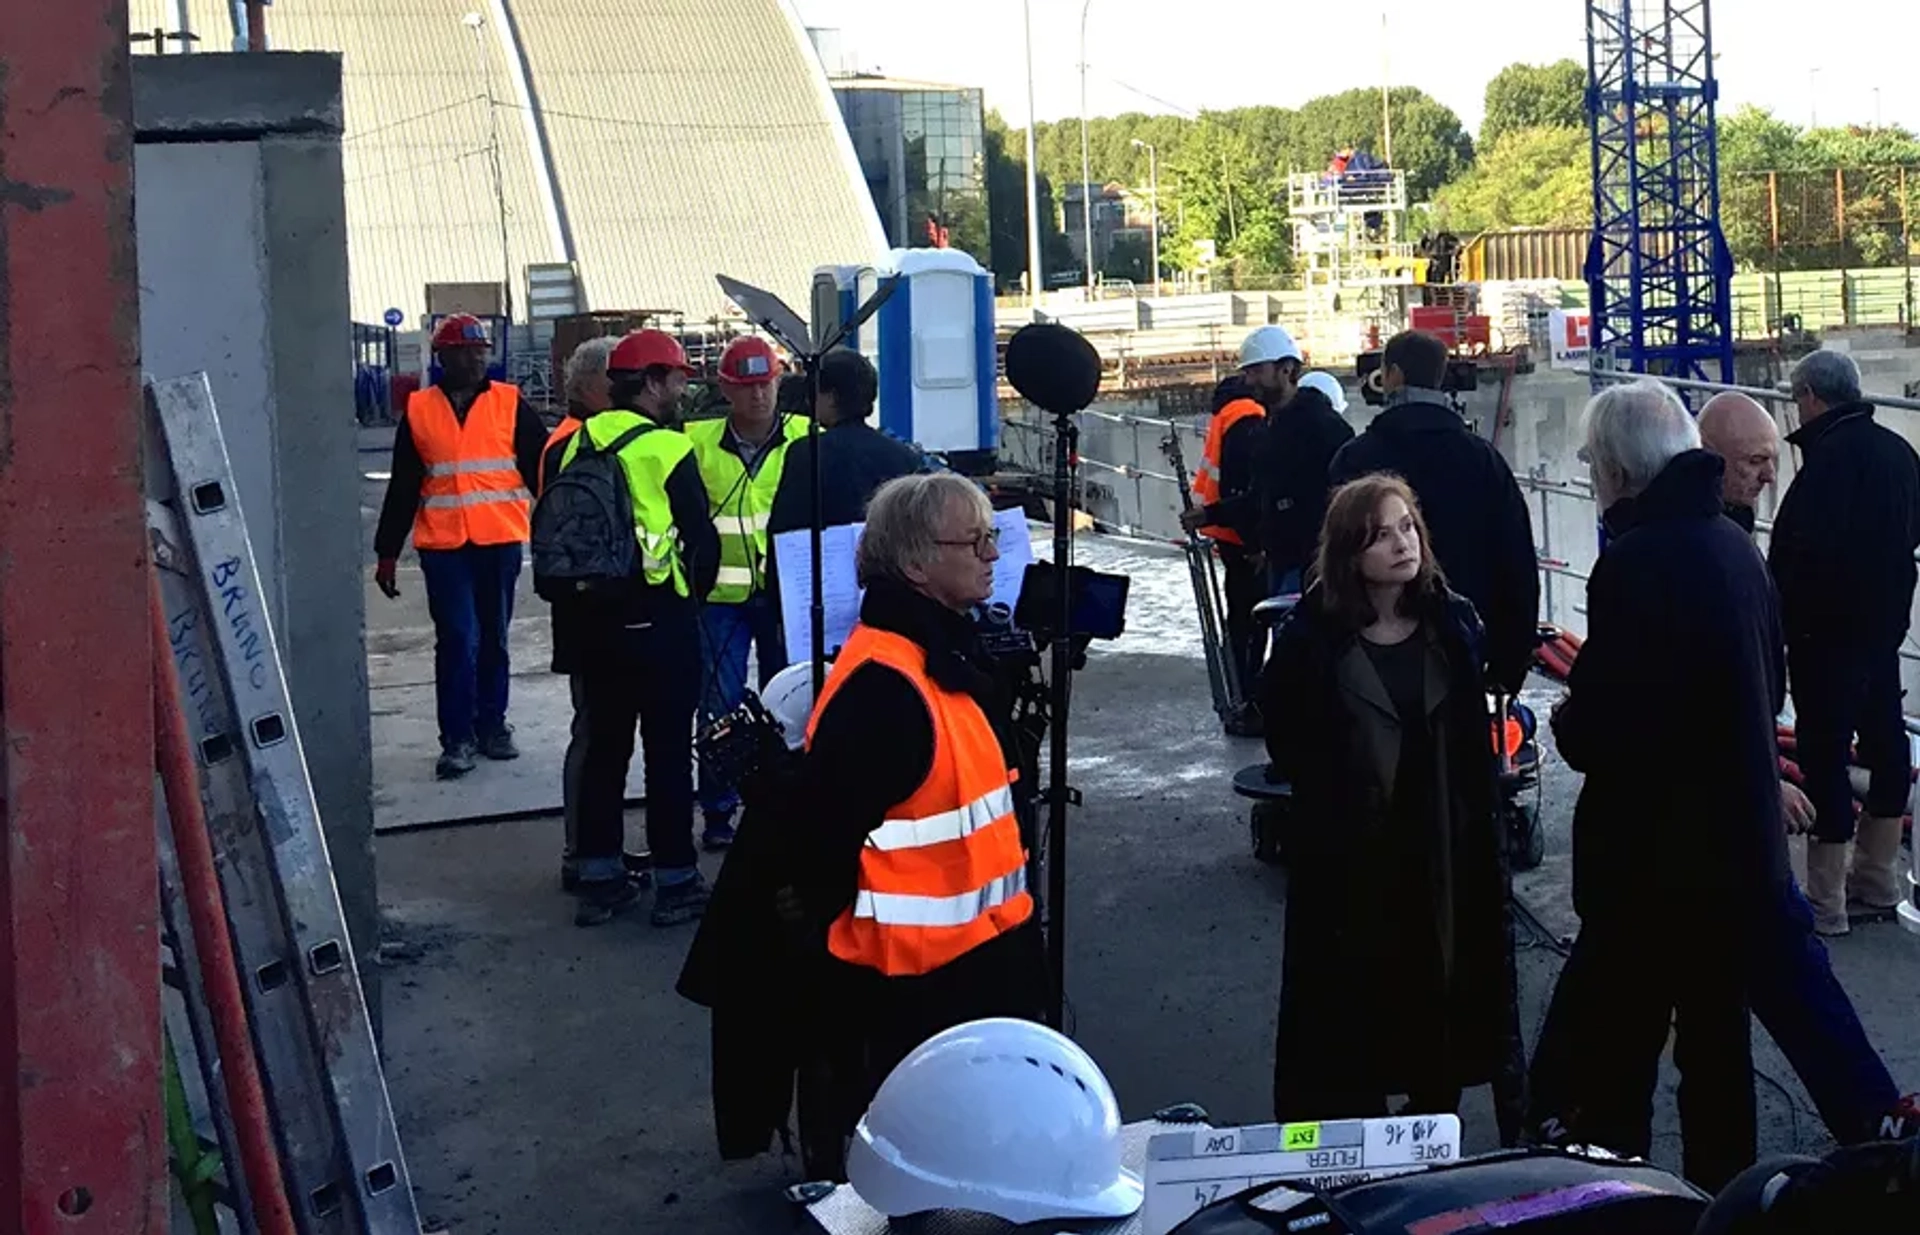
(406, 739)
(547, 1078)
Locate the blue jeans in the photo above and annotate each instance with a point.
(1284, 582)
(726, 634)
(470, 598)
(1806, 1012)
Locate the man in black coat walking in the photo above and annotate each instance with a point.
(1482, 532)
(1842, 557)
(1678, 880)
(1291, 464)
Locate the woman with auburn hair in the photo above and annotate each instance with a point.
(1399, 974)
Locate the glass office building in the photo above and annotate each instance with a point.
(923, 150)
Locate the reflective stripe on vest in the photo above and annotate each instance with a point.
(1206, 478)
(741, 504)
(647, 461)
(945, 871)
(473, 493)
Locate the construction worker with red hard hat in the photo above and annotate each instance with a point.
(741, 458)
(636, 648)
(588, 390)
(466, 457)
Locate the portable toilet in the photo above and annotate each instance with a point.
(938, 367)
(838, 293)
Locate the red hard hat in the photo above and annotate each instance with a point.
(643, 349)
(461, 330)
(749, 361)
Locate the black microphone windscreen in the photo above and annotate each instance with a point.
(1053, 367)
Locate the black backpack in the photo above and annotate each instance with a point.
(583, 537)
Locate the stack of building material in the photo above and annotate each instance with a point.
(1518, 309)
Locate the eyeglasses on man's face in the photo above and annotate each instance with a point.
(980, 542)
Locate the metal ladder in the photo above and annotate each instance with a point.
(326, 1092)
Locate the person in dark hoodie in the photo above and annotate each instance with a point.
(1482, 531)
(1377, 714)
(1680, 881)
(1842, 557)
(1295, 455)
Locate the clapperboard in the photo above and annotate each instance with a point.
(1191, 1169)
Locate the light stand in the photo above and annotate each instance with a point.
(1060, 795)
(1058, 371)
(771, 314)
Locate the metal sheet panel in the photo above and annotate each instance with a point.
(81, 1143)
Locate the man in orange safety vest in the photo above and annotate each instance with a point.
(466, 458)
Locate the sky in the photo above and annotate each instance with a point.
(1186, 55)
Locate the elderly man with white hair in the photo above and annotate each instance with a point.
(1842, 557)
(1680, 864)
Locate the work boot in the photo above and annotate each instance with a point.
(500, 745)
(674, 903)
(1873, 887)
(718, 833)
(639, 870)
(456, 761)
(601, 900)
(1827, 884)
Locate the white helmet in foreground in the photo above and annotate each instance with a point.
(789, 696)
(1000, 1117)
(1328, 385)
(1268, 343)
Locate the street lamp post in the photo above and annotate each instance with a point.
(1036, 267)
(1153, 190)
(475, 22)
(1086, 171)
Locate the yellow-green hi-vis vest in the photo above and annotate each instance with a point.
(647, 461)
(740, 503)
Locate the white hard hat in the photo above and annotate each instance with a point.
(789, 696)
(1001, 1117)
(1328, 385)
(1268, 343)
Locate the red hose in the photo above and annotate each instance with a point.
(207, 913)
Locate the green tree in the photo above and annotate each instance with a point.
(1538, 177)
(1535, 96)
(1006, 160)
(1796, 199)
(1429, 142)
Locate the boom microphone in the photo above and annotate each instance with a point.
(1053, 367)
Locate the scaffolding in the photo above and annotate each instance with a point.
(1357, 267)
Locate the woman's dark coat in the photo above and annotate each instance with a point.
(1333, 733)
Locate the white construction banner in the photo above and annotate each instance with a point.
(1570, 337)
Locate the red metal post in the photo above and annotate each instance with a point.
(82, 1150)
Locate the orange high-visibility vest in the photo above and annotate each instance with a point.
(945, 872)
(1206, 481)
(473, 494)
(568, 425)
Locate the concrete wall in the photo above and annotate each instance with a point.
(241, 225)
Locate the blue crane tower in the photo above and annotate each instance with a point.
(1658, 267)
